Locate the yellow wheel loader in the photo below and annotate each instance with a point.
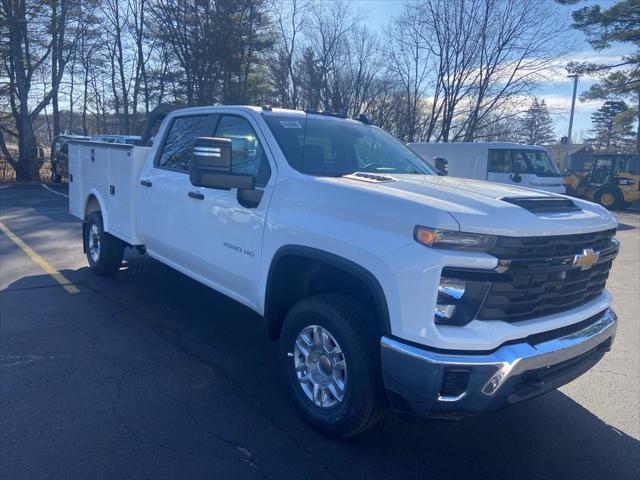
(612, 180)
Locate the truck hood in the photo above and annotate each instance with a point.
(479, 206)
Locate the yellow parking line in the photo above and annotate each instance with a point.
(38, 260)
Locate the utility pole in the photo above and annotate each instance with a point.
(573, 107)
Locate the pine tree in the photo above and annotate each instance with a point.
(616, 23)
(536, 126)
(612, 127)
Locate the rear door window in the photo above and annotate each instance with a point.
(499, 161)
(175, 152)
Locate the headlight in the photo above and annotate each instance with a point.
(451, 240)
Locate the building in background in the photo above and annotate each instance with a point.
(579, 153)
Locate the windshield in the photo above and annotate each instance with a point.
(629, 164)
(327, 146)
(534, 161)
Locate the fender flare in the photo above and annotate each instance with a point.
(101, 203)
(341, 263)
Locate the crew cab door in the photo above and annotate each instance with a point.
(224, 227)
(212, 235)
(163, 204)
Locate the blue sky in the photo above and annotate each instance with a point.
(557, 93)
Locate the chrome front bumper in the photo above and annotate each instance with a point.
(414, 376)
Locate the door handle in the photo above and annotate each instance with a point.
(145, 183)
(196, 195)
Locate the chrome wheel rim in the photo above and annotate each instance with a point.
(94, 243)
(320, 366)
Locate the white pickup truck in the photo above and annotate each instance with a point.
(384, 282)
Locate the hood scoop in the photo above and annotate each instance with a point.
(543, 204)
(370, 177)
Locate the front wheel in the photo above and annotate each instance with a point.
(104, 251)
(609, 198)
(331, 360)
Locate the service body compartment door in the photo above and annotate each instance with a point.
(120, 191)
(125, 164)
(110, 172)
(76, 198)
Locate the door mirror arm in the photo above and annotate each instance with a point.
(249, 198)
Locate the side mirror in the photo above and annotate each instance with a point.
(211, 166)
(516, 177)
(441, 164)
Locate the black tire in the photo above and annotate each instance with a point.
(609, 198)
(364, 401)
(110, 250)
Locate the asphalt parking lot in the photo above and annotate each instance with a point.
(151, 375)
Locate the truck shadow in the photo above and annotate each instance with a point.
(625, 226)
(209, 356)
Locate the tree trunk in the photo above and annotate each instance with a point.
(84, 102)
(638, 129)
(28, 166)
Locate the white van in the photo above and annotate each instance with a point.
(504, 162)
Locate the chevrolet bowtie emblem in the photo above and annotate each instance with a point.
(586, 259)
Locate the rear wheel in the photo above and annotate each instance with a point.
(104, 251)
(330, 356)
(609, 198)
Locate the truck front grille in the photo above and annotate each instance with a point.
(551, 246)
(538, 276)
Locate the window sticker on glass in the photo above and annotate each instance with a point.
(290, 124)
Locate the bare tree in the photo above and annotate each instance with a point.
(291, 21)
(31, 32)
(518, 46)
(361, 83)
(90, 52)
(137, 25)
(482, 55)
(442, 71)
(409, 66)
(328, 37)
(116, 17)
